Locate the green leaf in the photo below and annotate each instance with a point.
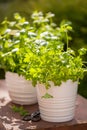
(17, 16)
(20, 110)
(47, 95)
(82, 51)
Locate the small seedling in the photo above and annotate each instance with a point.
(20, 110)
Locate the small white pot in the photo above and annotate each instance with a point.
(20, 90)
(61, 107)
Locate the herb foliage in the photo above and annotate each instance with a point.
(40, 51)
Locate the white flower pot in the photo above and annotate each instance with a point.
(20, 90)
(61, 107)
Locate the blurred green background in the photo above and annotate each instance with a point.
(74, 11)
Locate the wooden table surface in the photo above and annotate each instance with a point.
(10, 120)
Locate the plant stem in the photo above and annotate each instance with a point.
(85, 62)
(85, 70)
(67, 40)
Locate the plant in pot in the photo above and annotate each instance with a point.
(13, 41)
(55, 70)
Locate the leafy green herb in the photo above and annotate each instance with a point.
(20, 110)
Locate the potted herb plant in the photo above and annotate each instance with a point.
(13, 41)
(55, 70)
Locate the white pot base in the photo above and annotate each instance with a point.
(61, 107)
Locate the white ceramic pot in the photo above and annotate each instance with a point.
(20, 90)
(61, 107)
